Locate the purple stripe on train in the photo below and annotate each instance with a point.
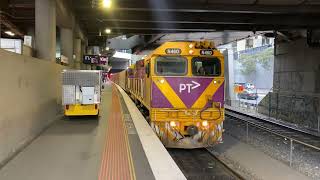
(158, 99)
(189, 89)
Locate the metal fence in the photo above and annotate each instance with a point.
(300, 155)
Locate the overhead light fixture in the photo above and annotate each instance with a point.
(107, 48)
(9, 33)
(108, 31)
(107, 3)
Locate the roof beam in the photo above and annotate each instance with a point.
(152, 31)
(294, 21)
(215, 8)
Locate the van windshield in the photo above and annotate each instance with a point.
(171, 66)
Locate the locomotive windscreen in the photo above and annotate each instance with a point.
(203, 66)
(171, 65)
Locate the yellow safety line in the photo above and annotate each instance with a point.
(209, 91)
(132, 169)
(169, 93)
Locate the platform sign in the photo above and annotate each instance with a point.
(91, 59)
(103, 60)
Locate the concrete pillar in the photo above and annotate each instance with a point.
(66, 41)
(229, 76)
(83, 50)
(77, 50)
(45, 19)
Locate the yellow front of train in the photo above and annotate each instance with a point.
(187, 94)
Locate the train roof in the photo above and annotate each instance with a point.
(187, 48)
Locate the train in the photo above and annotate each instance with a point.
(181, 87)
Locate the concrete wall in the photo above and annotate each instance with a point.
(30, 96)
(296, 88)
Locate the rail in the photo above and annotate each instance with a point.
(202, 164)
(238, 175)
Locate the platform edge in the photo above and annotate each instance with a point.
(163, 167)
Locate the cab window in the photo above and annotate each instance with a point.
(171, 66)
(203, 66)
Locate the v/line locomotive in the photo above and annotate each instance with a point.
(181, 85)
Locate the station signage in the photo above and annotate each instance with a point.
(173, 51)
(95, 59)
(103, 60)
(206, 52)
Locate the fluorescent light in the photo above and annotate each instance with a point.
(108, 31)
(9, 33)
(106, 3)
(122, 55)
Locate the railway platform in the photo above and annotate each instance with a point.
(117, 145)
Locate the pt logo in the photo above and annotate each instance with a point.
(188, 87)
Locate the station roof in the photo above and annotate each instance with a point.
(174, 16)
(148, 17)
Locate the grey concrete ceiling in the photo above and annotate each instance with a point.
(149, 17)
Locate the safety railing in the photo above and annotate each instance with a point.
(302, 155)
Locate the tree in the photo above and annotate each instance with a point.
(249, 61)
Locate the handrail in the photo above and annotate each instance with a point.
(278, 134)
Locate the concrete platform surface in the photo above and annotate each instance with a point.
(253, 161)
(69, 149)
(162, 164)
(118, 145)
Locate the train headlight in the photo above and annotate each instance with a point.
(191, 51)
(205, 123)
(190, 45)
(173, 124)
(162, 81)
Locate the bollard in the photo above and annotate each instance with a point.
(291, 148)
(318, 123)
(247, 137)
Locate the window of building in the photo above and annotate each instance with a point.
(249, 43)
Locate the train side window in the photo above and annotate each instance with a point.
(148, 69)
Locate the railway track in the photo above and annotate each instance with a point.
(288, 132)
(201, 164)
